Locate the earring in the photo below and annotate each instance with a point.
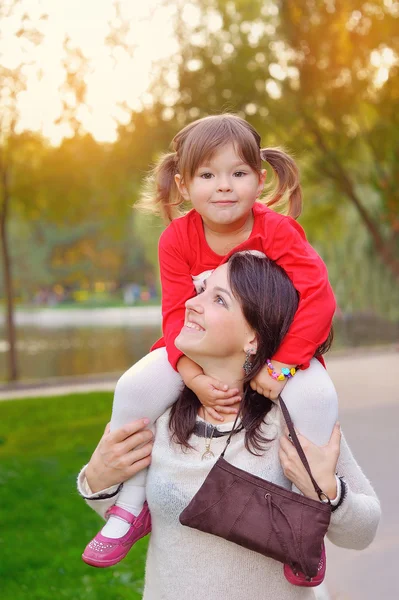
(247, 366)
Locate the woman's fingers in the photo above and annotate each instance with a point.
(334, 445)
(282, 457)
(335, 439)
(121, 434)
(138, 466)
(286, 445)
(136, 440)
(138, 454)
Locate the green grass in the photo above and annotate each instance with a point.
(44, 524)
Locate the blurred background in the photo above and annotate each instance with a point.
(90, 94)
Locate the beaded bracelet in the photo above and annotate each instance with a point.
(285, 372)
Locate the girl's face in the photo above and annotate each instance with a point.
(215, 329)
(224, 189)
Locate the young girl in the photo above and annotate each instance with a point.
(216, 166)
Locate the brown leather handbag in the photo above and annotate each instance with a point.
(260, 515)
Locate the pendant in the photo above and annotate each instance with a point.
(207, 454)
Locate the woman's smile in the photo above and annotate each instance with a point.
(193, 326)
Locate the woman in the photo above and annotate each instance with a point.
(241, 316)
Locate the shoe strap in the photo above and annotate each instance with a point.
(122, 514)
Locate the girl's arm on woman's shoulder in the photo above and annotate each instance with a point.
(354, 523)
(286, 243)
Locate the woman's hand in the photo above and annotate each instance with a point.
(120, 455)
(322, 461)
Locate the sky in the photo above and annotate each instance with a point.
(110, 79)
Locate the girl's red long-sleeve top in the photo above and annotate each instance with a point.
(184, 254)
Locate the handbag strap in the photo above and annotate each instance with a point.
(230, 434)
(322, 496)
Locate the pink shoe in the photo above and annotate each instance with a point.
(299, 578)
(104, 551)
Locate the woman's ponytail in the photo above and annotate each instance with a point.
(287, 174)
(160, 193)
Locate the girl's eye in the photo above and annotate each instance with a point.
(219, 300)
(206, 175)
(239, 173)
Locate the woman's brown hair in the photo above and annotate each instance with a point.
(269, 302)
(196, 143)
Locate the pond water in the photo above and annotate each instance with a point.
(80, 350)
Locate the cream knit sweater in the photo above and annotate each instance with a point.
(185, 564)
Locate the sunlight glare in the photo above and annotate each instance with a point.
(114, 77)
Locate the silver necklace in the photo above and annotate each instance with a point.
(208, 440)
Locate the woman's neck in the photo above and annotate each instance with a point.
(230, 376)
(226, 418)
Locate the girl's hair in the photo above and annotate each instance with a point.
(269, 301)
(196, 143)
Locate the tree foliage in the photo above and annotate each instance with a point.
(318, 77)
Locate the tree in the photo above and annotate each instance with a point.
(12, 82)
(347, 102)
(318, 77)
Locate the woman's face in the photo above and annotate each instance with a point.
(215, 326)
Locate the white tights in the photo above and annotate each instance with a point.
(151, 386)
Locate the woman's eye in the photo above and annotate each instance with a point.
(220, 300)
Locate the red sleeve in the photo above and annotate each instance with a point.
(312, 322)
(177, 288)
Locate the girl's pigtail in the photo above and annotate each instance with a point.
(287, 174)
(160, 193)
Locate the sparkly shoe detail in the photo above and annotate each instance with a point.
(104, 552)
(99, 546)
(300, 579)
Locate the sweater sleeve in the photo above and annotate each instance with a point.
(354, 523)
(177, 288)
(313, 318)
(100, 502)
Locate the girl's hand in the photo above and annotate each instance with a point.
(322, 461)
(214, 395)
(264, 384)
(120, 455)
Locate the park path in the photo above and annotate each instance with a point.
(369, 414)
